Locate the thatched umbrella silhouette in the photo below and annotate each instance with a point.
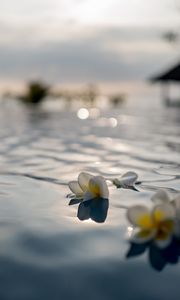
(170, 76)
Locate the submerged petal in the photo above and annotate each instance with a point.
(160, 197)
(98, 187)
(75, 188)
(83, 180)
(140, 216)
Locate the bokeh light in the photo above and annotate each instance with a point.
(83, 113)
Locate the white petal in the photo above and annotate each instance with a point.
(163, 212)
(88, 196)
(75, 188)
(128, 179)
(142, 236)
(176, 203)
(177, 198)
(140, 216)
(98, 187)
(160, 197)
(83, 180)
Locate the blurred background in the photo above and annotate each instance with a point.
(115, 46)
(89, 86)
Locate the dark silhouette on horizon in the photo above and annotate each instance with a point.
(35, 94)
(170, 76)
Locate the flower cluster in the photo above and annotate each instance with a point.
(88, 187)
(158, 225)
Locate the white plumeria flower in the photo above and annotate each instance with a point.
(162, 197)
(157, 225)
(127, 180)
(89, 187)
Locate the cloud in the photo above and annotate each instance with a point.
(93, 11)
(83, 55)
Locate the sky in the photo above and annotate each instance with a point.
(85, 41)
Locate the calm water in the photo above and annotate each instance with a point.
(45, 251)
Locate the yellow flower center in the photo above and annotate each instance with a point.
(157, 222)
(158, 216)
(145, 221)
(94, 189)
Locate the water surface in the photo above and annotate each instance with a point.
(46, 252)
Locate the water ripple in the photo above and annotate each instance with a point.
(46, 252)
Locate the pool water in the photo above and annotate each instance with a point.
(46, 252)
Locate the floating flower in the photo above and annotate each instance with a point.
(126, 181)
(162, 197)
(89, 187)
(157, 225)
(92, 193)
(160, 225)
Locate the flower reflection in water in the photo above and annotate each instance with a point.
(94, 209)
(158, 258)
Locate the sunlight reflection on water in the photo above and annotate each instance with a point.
(83, 113)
